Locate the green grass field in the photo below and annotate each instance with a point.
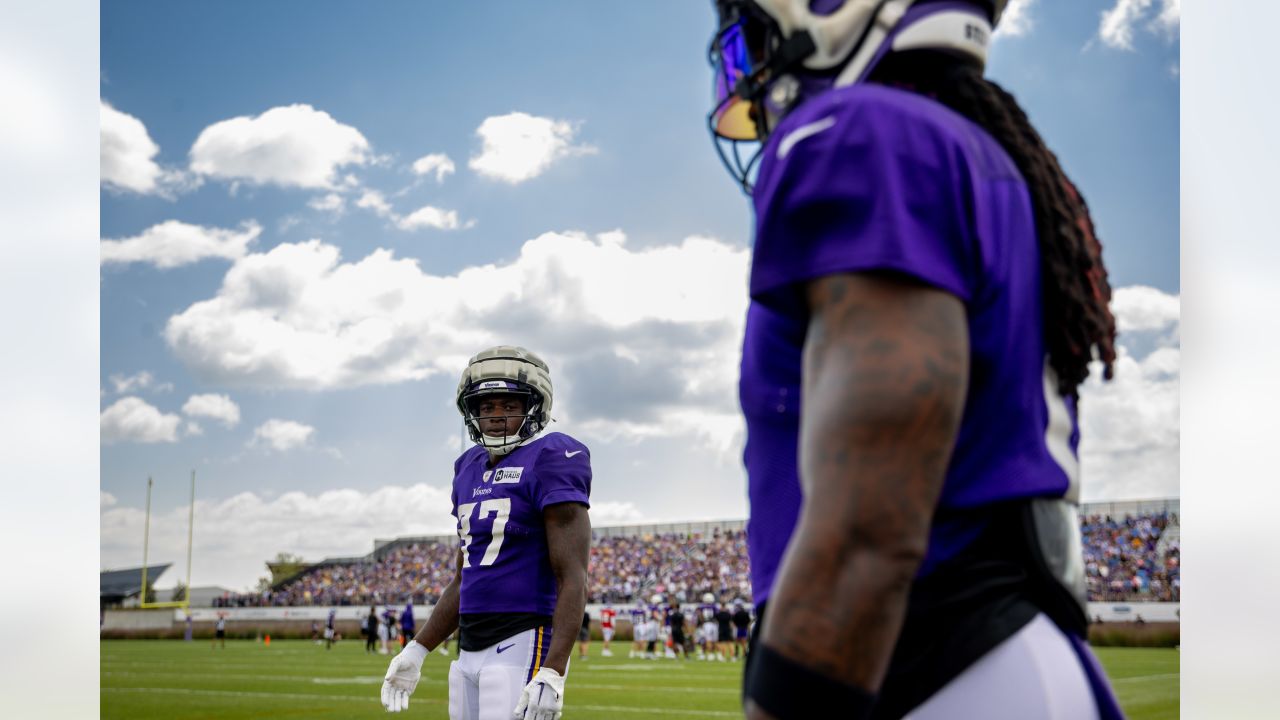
(173, 680)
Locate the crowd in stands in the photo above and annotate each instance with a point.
(1122, 562)
(624, 569)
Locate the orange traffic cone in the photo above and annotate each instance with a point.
(267, 641)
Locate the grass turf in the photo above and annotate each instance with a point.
(175, 680)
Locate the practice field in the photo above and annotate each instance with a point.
(175, 680)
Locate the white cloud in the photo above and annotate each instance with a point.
(173, 243)
(132, 419)
(374, 200)
(127, 155)
(193, 428)
(230, 532)
(432, 217)
(1138, 308)
(519, 147)
(298, 316)
(1130, 426)
(614, 513)
(329, 202)
(290, 146)
(439, 163)
(106, 499)
(1117, 26)
(1016, 20)
(139, 381)
(1170, 17)
(217, 407)
(282, 435)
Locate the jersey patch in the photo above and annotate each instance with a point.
(507, 475)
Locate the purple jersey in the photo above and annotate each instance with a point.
(706, 613)
(870, 178)
(506, 565)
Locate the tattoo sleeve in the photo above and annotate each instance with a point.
(886, 365)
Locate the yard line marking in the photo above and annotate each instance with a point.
(372, 699)
(375, 680)
(1136, 678)
(655, 711)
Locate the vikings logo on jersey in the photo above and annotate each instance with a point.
(505, 561)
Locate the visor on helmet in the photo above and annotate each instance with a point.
(731, 59)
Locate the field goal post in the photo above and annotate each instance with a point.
(185, 602)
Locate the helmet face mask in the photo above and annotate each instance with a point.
(500, 373)
(769, 55)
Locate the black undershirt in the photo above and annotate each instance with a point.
(968, 605)
(477, 631)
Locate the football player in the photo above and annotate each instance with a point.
(607, 614)
(926, 277)
(708, 631)
(520, 497)
(637, 631)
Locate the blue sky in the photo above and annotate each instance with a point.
(252, 309)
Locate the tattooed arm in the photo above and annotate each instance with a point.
(886, 365)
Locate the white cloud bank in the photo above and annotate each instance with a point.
(132, 419)
(518, 147)
(299, 316)
(1131, 435)
(235, 536)
(216, 407)
(290, 146)
(127, 156)
(174, 243)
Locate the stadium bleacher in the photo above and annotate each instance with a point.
(1131, 554)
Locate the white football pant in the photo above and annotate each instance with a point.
(486, 684)
(1033, 675)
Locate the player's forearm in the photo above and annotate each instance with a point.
(443, 620)
(571, 603)
(886, 368)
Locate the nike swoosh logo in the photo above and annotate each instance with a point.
(802, 132)
(500, 648)
(571, 454)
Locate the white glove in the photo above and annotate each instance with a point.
(542, 698)
(402, 676)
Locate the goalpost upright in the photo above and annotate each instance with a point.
(185, 602)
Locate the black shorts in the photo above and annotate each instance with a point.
(220, 633)
(584, 634)
(726, 635)
(677, 636)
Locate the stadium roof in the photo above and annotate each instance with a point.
(127, 582)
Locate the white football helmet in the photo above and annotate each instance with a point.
(506, 370)
(655, 600)
(708, 598)
(769, 55)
